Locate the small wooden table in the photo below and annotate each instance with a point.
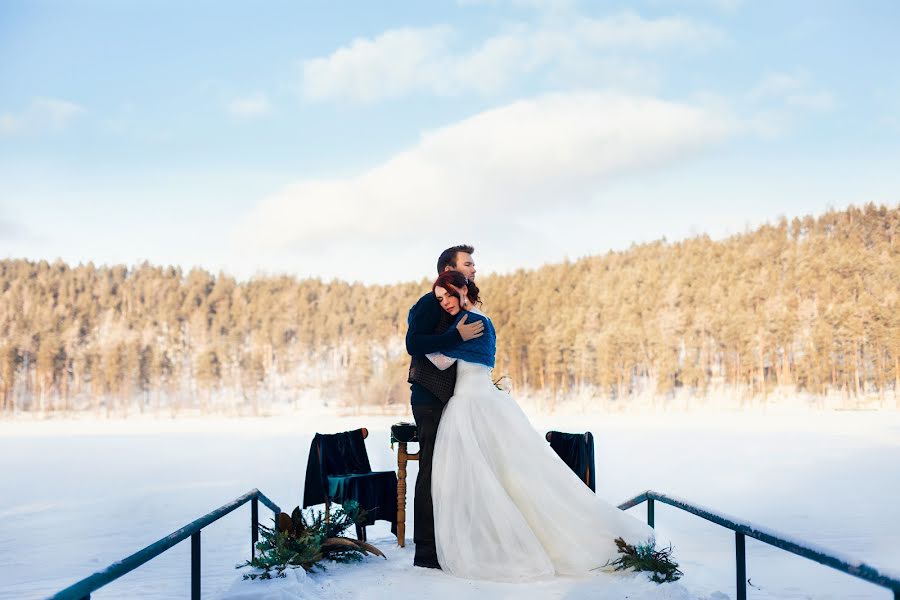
(402, 434)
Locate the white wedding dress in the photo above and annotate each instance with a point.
(506, 507)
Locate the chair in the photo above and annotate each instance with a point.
(403, 433)
(577, 451)
(338, 470)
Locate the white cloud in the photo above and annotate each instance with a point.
(556, 150)
(402, 61)
(255, 105)
(55, 112)
(770, 124)
(42, 114)
(629, 30)
(795, 90)
(728, 6)
(534, 4)
(891, 121)
(12, 230)
(777, 85)
(9, 123)
(819, 101)
(394, 63)
(780, 99)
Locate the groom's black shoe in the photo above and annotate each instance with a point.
(428, 564)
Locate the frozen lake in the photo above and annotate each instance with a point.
(78, 495)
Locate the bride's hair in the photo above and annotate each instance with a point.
(457, 280)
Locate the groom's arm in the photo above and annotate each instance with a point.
(420, 337)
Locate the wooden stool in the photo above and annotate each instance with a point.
(402, 434)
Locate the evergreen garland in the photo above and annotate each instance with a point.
(296, 540)
(645, 557)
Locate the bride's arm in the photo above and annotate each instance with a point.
(441, 361)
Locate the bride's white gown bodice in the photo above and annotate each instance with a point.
(506, 507)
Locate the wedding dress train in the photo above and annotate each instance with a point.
(506, 507)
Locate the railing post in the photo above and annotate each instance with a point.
(651, 518)
(740, 557)
(195, 566)
(254, 526)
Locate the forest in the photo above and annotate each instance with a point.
(809, 305)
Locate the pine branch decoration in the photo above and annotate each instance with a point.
(645, 557)
(296, 540)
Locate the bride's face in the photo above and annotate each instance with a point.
(448, 299)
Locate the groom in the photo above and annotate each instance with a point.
(430, 331)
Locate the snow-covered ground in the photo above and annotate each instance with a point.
(76, 495)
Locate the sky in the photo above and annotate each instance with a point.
(357, 140)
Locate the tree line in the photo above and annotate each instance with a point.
(806, 305)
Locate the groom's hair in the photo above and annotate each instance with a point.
(458, 281)
(448, 256)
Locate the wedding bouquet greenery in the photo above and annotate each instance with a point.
(296, 540)
(645, 557)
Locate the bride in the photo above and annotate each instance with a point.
(506, 508)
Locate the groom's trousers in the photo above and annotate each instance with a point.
(427, 416)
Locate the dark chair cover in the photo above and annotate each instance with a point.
(404, 432)
(577, 451)
(338, 470)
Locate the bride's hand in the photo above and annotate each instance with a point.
(469, 331)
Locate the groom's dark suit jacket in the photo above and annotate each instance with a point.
(429, 331)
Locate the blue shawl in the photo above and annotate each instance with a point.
(479, 350)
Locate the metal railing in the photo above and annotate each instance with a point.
(743, 529)
(82, 589)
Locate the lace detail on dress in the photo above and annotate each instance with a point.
(441, 361)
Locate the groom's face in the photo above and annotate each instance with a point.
(465, 264)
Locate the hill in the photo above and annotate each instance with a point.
(810, 305)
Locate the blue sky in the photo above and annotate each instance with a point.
(357, 140)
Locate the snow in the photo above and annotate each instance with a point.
(79, 494)
(394, 578)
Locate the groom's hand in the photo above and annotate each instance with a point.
(469, 331)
